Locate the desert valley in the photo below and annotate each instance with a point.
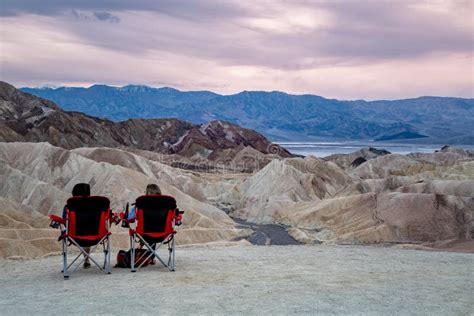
(219, 172)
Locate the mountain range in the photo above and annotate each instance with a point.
(278, 115)
(28, 118)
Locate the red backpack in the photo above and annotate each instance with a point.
(124, 258)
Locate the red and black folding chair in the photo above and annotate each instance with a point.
(156, 217)
(87, 224)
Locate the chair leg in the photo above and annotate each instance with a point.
(104, 250)
(65, 272)
(109, 266)
(172, 255)
(106, 246)
(132, 257)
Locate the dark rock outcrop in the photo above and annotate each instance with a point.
(358, 161)
(218, 135)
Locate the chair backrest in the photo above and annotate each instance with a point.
(87, 216)
(155, 213)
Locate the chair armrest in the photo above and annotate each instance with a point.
(178, 216)
(57, 219)
(115, 218)
(126, 220)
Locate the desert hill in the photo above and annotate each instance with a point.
(38, 177)
(317, 200)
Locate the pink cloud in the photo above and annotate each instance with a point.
(364, 49)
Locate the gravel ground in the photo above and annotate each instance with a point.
(318, 279)
(267, 234)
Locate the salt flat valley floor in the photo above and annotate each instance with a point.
(242, 279)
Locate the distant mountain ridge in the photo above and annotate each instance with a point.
(279, 115)
(28, 118)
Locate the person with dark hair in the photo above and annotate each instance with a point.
(80, 189)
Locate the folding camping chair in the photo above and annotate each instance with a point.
(156, 217)
(87, 224)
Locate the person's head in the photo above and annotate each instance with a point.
(152, 189)
(81, 189)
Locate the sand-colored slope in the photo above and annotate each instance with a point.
(347, 161)
(41, 176)
(409, 184)
(388, 217)
(24, 232)
(391, 198)
(432, 166)
(271, 194)
(464, 188)
(388, 165)
(462, 170)
(440, 158)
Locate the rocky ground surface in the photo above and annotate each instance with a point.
(242, 279)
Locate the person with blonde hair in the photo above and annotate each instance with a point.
(151, 189)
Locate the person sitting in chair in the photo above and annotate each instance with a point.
(80, 189)
(151, 189)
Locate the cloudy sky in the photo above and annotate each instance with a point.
(369, 49)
